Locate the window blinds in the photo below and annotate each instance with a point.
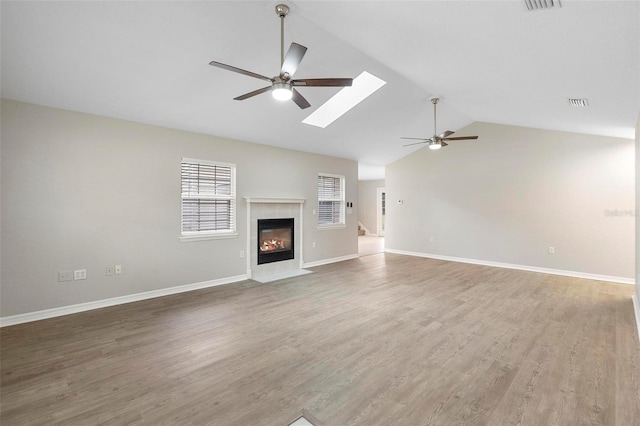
(330, 200)
(208, 196)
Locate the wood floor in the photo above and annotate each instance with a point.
(380, 340)
(368, 244)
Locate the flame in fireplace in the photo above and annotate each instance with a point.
(272, 245)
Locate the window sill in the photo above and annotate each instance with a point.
(331, 227)
(191, 238)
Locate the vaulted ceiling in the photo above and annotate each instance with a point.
(491, 61)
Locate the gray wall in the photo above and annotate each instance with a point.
(367, 203)
(84, 192)
(513, 193)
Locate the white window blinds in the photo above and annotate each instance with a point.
(208, 197)
(330, 200)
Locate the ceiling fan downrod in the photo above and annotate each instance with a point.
(282, 10)
(434, 101)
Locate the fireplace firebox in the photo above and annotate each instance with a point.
(275, 240)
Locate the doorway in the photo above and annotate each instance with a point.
(374, 243)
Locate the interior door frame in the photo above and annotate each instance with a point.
(379, 192)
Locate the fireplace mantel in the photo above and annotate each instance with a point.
(274, 200)
(265, 208)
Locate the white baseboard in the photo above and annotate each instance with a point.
(636, 309)
(332, 260)
(621, 280)
(82, 307)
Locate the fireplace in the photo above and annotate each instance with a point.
(275, 240)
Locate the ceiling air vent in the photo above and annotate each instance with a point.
(542, 4)
(577, 102)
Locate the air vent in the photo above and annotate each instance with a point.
(577, 102)
(542, 4)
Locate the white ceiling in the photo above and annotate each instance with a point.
(490, 61)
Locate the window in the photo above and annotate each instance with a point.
(330, 200)
(208, 199)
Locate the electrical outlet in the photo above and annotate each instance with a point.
(65, 276)
(80, 274)
(552, 250)
(242, 254)
(118, 269)
(432, 239)
(109, 270)
(314, 244)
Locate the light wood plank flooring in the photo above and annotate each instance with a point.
(379, 340)
(368, 244)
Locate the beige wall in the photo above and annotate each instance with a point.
(84, 192)
(513, 193)
(367, 203)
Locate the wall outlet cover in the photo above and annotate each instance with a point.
(65, 276)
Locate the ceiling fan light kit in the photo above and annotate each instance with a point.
(281, 91)
(438, 141)
(282, 85)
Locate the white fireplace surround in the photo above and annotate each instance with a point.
(273, 208)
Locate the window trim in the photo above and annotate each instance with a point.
(343, 185)
(210, 236)
(189, 236)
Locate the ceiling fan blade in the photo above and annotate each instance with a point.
(418, 139)
(292, 59)
(461, 138)
(445, 134)
(299, 99)
(323, 82)
(251, 94)
(443, 144)
(238, 70)
(416, 143)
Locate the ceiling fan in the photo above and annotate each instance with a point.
(438, 141)
(282, 86)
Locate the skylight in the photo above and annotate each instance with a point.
(363, 86)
